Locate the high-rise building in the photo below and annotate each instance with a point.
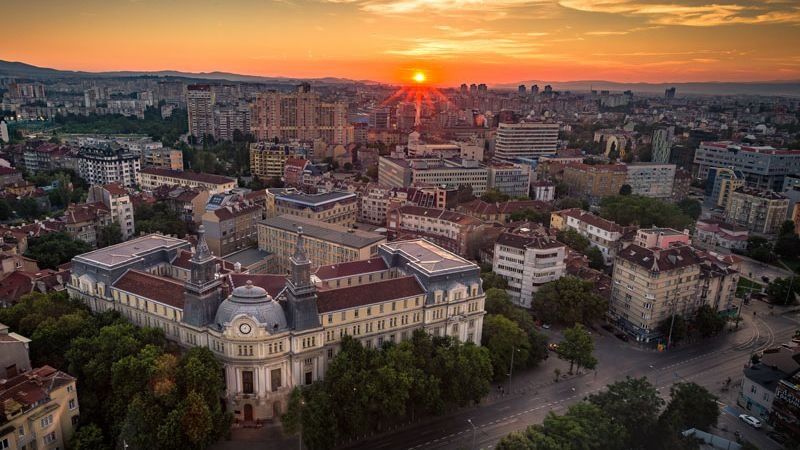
(650, 179)
(669, 93)
(200, 105)
(525, 140)
(662, 143)
(104, 165)
(231, 118)
(759, 211)
(763, 167)
(535, 89)
(298, 115)
(118, 203)
(380, 118)
(522, 90)
(464, 89)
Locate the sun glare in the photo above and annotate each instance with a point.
(419, 77)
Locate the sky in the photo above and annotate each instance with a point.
(451, 41)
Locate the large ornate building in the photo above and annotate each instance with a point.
(271, 332)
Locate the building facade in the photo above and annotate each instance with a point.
(326, 243)
(525, 140)
(153, 178)
(420, 172)
(200, 108)
(762, 167)
(271, 333)
(651, 180)
(757, 210)
(527, 261)
(603, 234)
(268, 160)
(107, 165)
(232, 227)
(340, 208)
(118, 203)
(594, 181)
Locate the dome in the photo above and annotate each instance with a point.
(252, 301)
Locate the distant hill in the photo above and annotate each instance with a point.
(22, 70)
(783, 88)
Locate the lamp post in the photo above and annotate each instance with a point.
(511, 367)
(300, 436)
(474, 429)
(674, 304)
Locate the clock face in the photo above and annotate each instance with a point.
(244, 328)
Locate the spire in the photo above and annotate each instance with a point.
(201, 249)
(300, 251)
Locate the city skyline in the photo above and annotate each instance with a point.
(450, 41)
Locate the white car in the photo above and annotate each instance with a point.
(750, 420)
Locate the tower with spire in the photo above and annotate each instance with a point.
(202, 292)
(301, 293)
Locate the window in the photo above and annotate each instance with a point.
(247, 381)
(21, 430)
(47, 421)
(330, 318)
(4, 445)
(275, 377)
(49, 438)
(72, 403)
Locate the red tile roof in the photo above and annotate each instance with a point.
(30, 387)
(598, 167)
(273, 284)
(192, 176)
(115, 189)
(296, 162)
(351, 268)
(153, 287)
(14, 286)
(367, 294)
(592, 219)
(659, 260)
(441, 214)
(8, 170)
(481, 207)
(84, 212)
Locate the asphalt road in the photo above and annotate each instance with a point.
(708, 363)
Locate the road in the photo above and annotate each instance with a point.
(708, 363)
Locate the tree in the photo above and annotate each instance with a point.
(158, 218)
(680, 328)
(498, 302)
(529, 215)
(760, 249)
(707, 321)
(626, 189)
(573, 239)
(577, 348)
(782, 291)
(643, 211)
(691, 207)
(572, 202)
(493, 280)
(596, 259)
(787, 227)
(5, 210)
(504, 338)
(54, 249)
(569, 300)
(88, 437)
(635, 404)
(494, 196)
(690, 406)
(109, 235)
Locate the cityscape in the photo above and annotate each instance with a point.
(400, 224)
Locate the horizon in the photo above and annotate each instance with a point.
(451, 41)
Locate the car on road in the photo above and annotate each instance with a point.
(552, 347)
(750, 420)
(546, 326)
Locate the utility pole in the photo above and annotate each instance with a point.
(474, 429)
(511, 367)
(672, 322)
(791, 285)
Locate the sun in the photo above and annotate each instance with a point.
(419, 77)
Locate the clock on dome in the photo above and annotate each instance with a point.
(245, 328)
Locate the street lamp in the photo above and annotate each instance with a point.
(511, 367)
(473, 431)
(674, 304)
(300, 437)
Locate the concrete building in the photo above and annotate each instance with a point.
(14, 354)
(232, 227)
(662, 238)
(762, 167)
(107, 165)
(527, 260)
(757, 210)
(38, 409)
(328, 243)
(761, 380)
(228, 119)
(603, 234)
(649, 285)
(502, 211)
(118, 203)
(294, 172)
(419, 172)
(525, 140)
(268, 160)
(200, 108)
(153, 178)
(456, 232)
(273, 334)
(594, 182)
(84, 220)
(662, 143)
(543, 191)
(48, 156)
(720, 184)
(4, 136)
(651, 180)
(339, 208)
(298, 115)
(710, 233)
(513, 180)
(163, 158)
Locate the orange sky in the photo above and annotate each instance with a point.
(453, 41)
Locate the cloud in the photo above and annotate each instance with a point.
(697, 15)
(605, 33)
(450, 48)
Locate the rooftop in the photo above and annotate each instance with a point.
(351, 268)
(315, 200)
(325, 231)
(130, 250)
(153, 287)
(441, 214)
(656, 260)
(247, 257)
(428, 257)
(367, 294)
(186, 175)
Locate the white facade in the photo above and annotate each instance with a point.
(601, 235)
(108, 166)
(525, 140)
(119, 204)
(200, 107)
(527, 263)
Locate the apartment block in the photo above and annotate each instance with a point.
(268, 160)
(757, 210)
(116, 200)
(200, 108)
(594, 181)
(525, 140)
(603, 234)
(456, 232)
(651, 180)
(335, 207)
(762, 167)
(105, 165)
(232, 227)
(152, 178)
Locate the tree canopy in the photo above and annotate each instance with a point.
(158, 218)
(577, 348)
(569, 300)
(54, 249)
(643, 211)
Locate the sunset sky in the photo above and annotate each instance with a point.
(452, 41)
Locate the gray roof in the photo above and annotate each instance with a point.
(315, 199)
(252, 301)
(247, 257)
(325, 231)
(428, 257)
(131, 250)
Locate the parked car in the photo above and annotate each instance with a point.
(750, 420)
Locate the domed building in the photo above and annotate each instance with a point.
(273, 332)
